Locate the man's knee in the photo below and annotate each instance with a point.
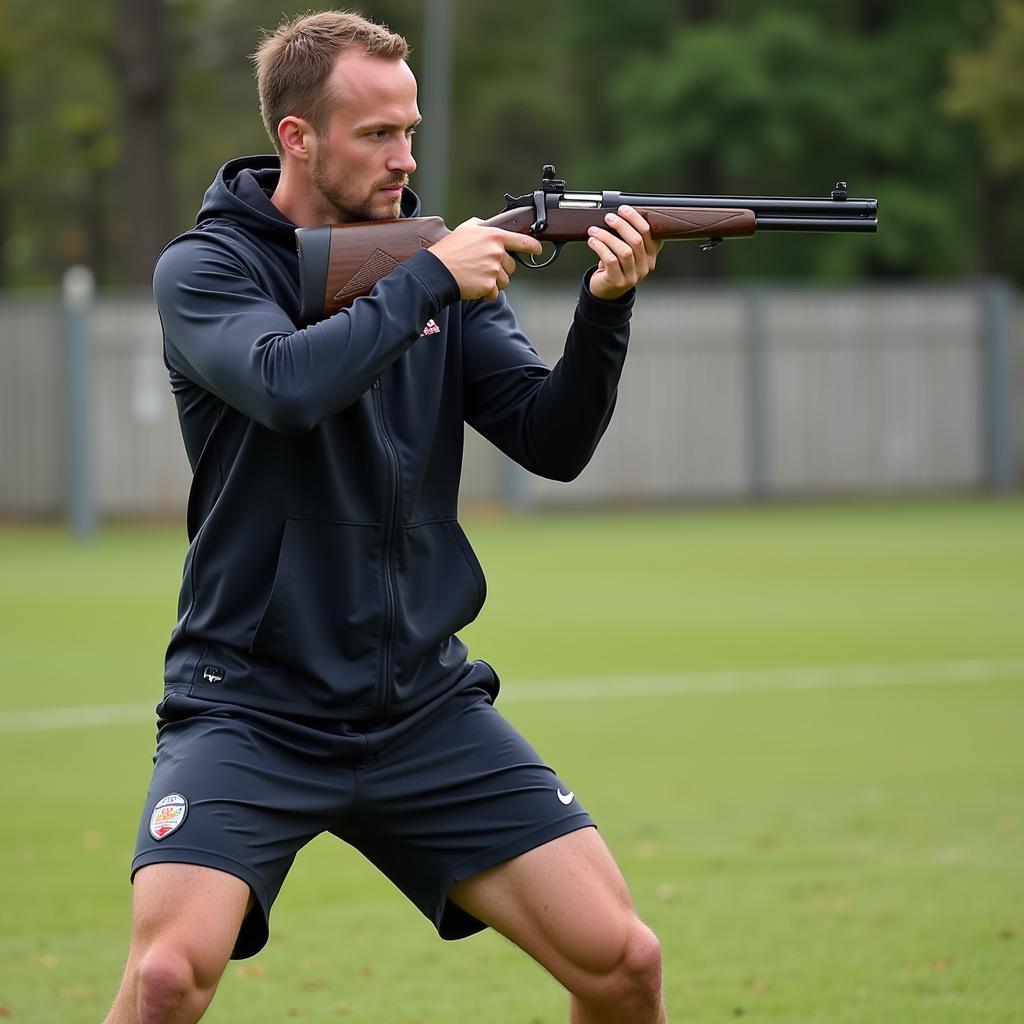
(631, 972)
(168, 985)
(165, 982)
(640, 967)
(186, 919)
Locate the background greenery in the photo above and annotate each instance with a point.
(842, 855)
(114, 116)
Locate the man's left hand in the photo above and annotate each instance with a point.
(626, 250)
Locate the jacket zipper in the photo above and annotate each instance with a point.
(389, 539)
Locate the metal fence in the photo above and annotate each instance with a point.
(760, 392)
(728, 393)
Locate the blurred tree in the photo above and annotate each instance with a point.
(514, 108)
(142, 63)
(987, 88)
(61, 143)
(7, 52)
(790, 98)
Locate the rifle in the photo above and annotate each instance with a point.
(340, 263)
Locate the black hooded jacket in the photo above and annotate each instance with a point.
(327, 574)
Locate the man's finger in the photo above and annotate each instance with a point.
(515, 242)
(623, 253)
(651, 245)
(627, 231)
(609, 261)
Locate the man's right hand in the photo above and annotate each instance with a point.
(478, 257)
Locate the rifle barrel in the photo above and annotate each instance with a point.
(774, 213)
(865, 224)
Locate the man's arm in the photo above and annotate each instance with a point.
(551, 421)
(230, 337)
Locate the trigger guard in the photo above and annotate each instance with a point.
(532, 264)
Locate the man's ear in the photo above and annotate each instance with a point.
(297, 138)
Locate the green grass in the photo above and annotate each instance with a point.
(831, 856)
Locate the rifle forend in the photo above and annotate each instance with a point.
(340, 263)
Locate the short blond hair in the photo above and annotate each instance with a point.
(294, 61)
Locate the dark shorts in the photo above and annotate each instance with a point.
(446, 796)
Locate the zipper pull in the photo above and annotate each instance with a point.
(376, 384)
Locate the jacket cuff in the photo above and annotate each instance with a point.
(604, 312)
(434, 276)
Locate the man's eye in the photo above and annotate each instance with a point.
(410, 132)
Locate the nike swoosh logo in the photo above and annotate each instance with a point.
(566, 798)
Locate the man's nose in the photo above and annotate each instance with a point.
(402, 159)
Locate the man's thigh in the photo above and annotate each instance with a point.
(239, 795)
(194, 910)
(565, 903)
(457, 795)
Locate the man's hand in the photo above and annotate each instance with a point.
(627, 253)
(478, 257)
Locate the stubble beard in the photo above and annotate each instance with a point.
(341, 206)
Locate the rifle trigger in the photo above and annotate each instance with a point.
(710, 244)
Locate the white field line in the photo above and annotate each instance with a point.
(771, 680)
(754, 680)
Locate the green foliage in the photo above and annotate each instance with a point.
(62, 142)
(778, 101)
(916, 103)
(988, 88)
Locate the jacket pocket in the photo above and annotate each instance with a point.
(443, 590)
(475, 569)
(324, 615)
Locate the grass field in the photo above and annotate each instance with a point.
(800, 728)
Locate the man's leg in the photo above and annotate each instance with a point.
(566, 904)
(185, 920)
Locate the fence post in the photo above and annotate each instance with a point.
(79, 287)
(759, 469)
(997, 429)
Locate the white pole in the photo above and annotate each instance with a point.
(79, 287)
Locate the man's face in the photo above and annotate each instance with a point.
(365, 155)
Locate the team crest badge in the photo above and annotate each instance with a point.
(168, 815)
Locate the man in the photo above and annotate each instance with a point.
(314, 681)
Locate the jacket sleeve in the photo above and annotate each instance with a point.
(229, 336)
(549, 421)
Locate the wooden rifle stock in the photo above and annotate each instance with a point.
(340, 263)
